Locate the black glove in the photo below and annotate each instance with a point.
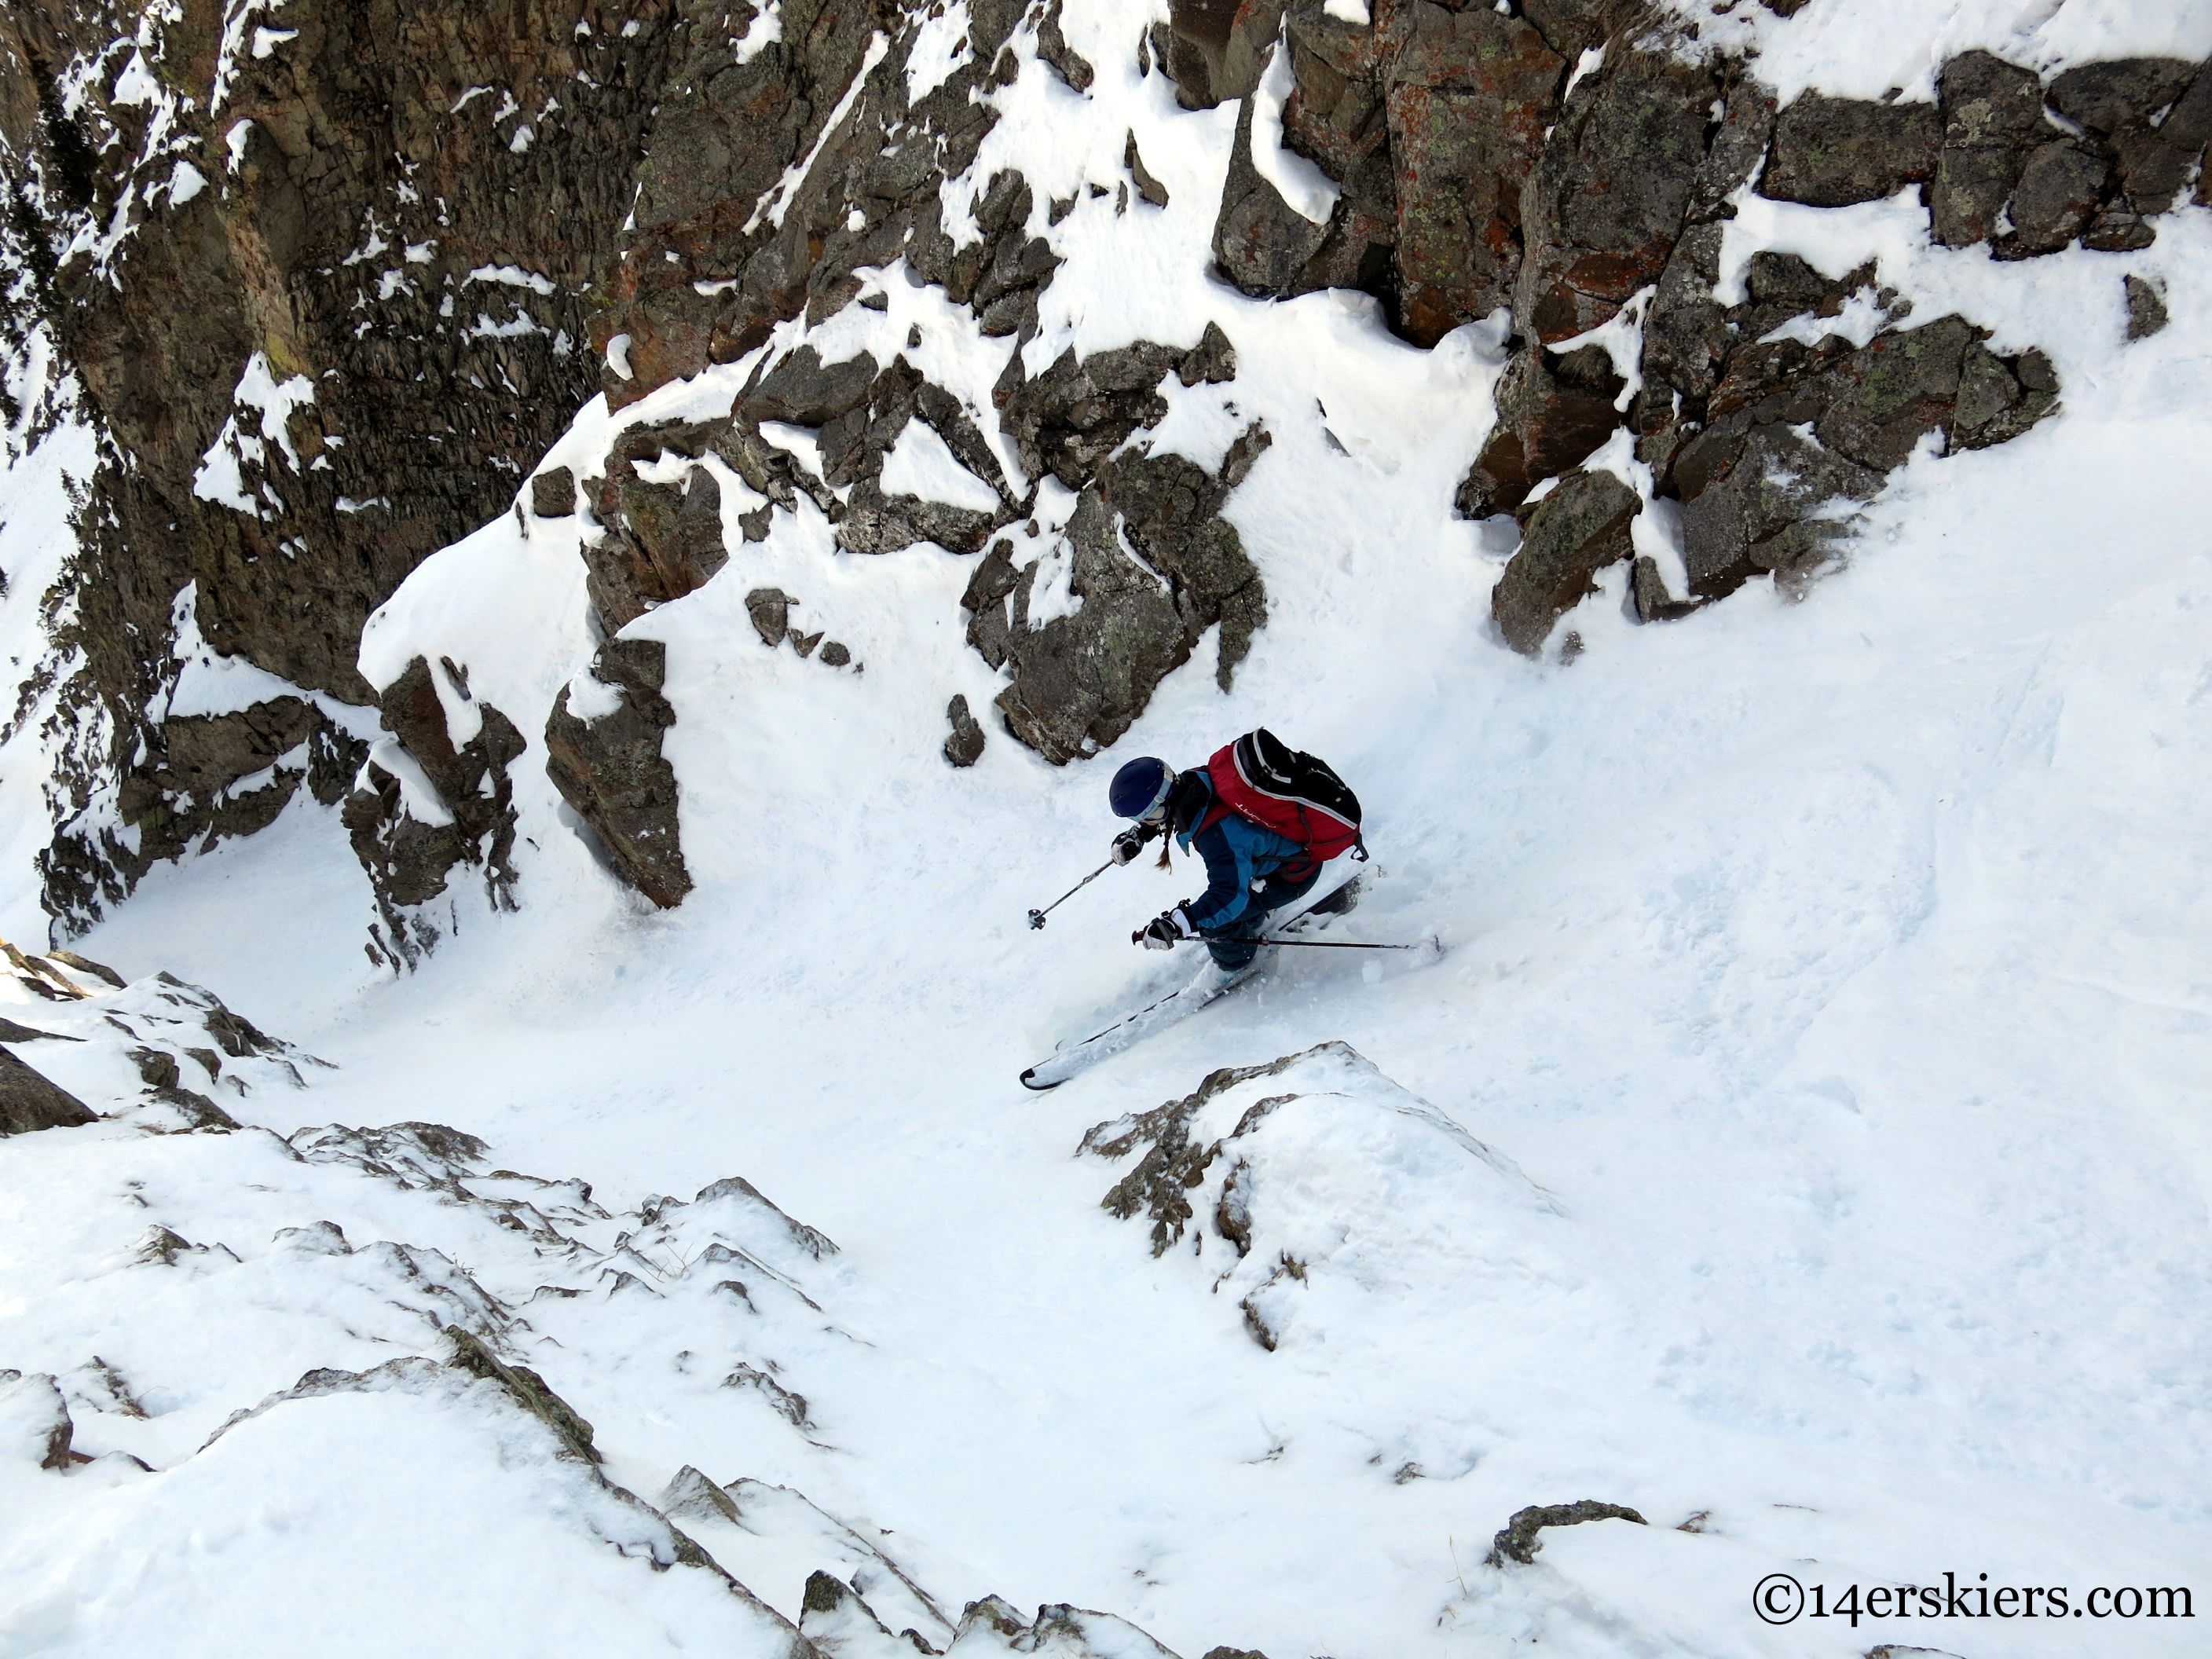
(1130, 842)
(1163, 931)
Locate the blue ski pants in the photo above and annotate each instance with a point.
(1234, 945)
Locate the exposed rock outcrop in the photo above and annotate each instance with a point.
(1428, 121)
(196, 780)
(1552, 411)
(1772, 417)
(605, 760)
(669, 490)
(1572, 534)
(965, 746)
(1215, 49)
(1147, 552)
(1833, 152)
(29, 1100)
(1992, 113)
(1260, 242)
(1791, 433)
(421, 804)
(2147, 313)
(326, 301)
(1614, 186)
(722, 248)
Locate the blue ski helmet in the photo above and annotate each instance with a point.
(1138, 787)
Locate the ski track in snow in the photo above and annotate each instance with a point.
(1826, 981)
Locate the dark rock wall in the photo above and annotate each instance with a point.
(709, 212)
(355, 176)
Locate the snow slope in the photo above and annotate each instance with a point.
(1802, 1142)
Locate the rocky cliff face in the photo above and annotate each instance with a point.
(325, 279)
(332, 280)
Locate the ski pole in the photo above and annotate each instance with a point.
(1321, 943)
(1037, 917)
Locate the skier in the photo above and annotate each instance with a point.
(1251, 870)
(1265, 818)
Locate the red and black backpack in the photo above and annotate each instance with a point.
(1296, 795)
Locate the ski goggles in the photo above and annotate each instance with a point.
(1157, 811)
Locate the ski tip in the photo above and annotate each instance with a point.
(1030, 1081)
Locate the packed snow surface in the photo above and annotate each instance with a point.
(1802, 1143)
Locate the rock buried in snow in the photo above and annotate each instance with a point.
(1517, 1541)
(736, 1202)
(409, 1154)
(835, 1618)
(34, 1421)
(520, 1458)
(849, 1608)
(527, 1389)
(1316, 1171)
(892, 1593)
(1059, 1629)
(691, 1493)
(792, 1408)
(2146, 310)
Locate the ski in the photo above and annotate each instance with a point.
(1076, 1058)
